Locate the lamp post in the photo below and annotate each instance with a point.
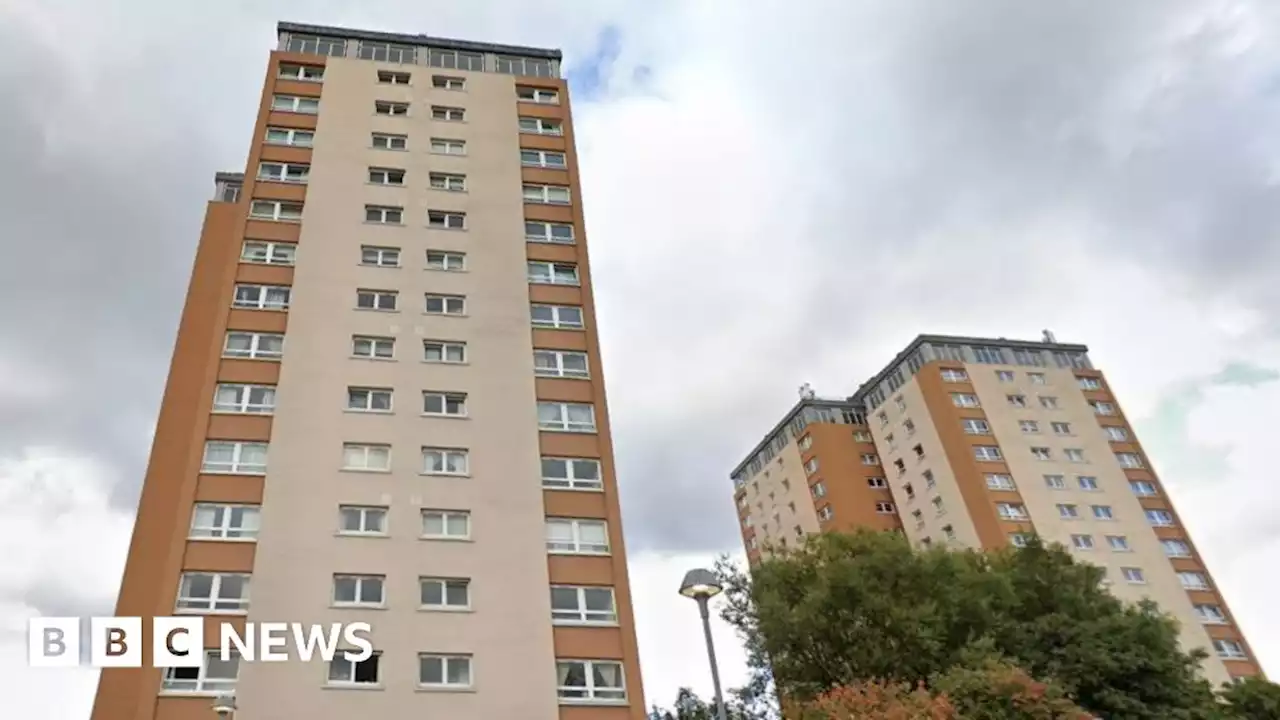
(225, 706)
(702, 585)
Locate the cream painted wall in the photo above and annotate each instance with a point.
(784, 479)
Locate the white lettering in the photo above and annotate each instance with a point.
(272, 635)
(328, 644)
(244, 645)
(365, 645)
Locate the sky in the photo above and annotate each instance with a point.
(776, 193)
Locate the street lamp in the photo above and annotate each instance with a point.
(701, 585)
(225, 706)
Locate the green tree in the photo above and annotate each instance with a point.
(846, 608)
(1252, 699)
(688, 706)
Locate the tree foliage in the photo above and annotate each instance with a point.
(848, 608)
(1254, 699)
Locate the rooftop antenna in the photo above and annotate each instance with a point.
(806, 392)
(1048, 336)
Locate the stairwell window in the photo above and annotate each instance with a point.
(268, 253)
(547, 232)
(290, 136)
(965, 400)
(1160, 518)
(295, 104)
(1142, 488)
(1193, 580)
(560, 363)
(1102, 408)
(566, 417)
(553, 273)
(582, 605)
(1089, 383)
(220, 521)
(275, 210)
(573, 536)
(999, 481)
(542, 96)
(543, 159)
(557, 316)
(1229, 649)
(541, 126)
(571, 474)
(283, 172)
(234, 458)
(1175, 548)
(1129, 460)
(207, 593)
(1011, 511)
(253, 345)
(244, 399)
(261, 297)
(975, 426)
(546, 194)
(590, 681)
(987, 453)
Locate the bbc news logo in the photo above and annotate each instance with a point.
(180, 642)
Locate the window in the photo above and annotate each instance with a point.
(1068, 511)
(268, 253)
(445, 404)
(448, 114)
(965, 400)
(547, 232)
(1229, 649)
(393, 109)
(541, 126)
(884, 508)
(1055, 482)
(446, 524)
(825, 513)
(590, 681)
(546, 194)
(975, 426)
(447, 181)
(219, 521)
(1088, 383)
(1102, 408)
(929, 482)
(1210, 614)
(295, 104)
(586, 605)
(560, 363)
(557, 316)
(543, 96)
(1019, 540)
(1004, 376)
(262, 297)
(811, 466)
(1175, 548)
(553, 273)
(385, 300)
(1133, 575)
(1160, 518)
(1087, 482)
(444, 146)
(446, 671)
(544, 159)
(283, 172)
(861, 436)
(1119, 543)
(444, 82)
(276, 210)
(369, 399)
(805, 442)
(988, 355)
(577, 537)
(445, 304)
(386, 77)
(290, 136)
(1142, 488)
(349, 672)
(445, 461)
(1029, 426)
(1048, 402)
(536, 67)
(1082, 542)
(253, 345)
(442, 220)
(818, 490)
(247, 399)
(1103, 512)
(566, 417)
(213, 677)
(1041, 453)
(358, 520)
(571, 473)
(202, 592)
(954, 375)
(1129, 460)
(385, 141)
(877, 482)
(455, 60)
(988, 453)
(369, 346)
(909, 426)
(379, 256)
(1037, 378)
(999, 481)
(900, 465)
(444, 593)
(359, 590)
(888, 440)
(1116, 433)
(234, 458)
(386, 52)
(444, 351)
(1193, 580)
(1011, 511)
(1075, 455)
(1019, 401)
(870, 459)
(386, 176)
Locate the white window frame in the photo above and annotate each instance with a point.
(1054, 481)
(361, 457)
(1217, 617)
(975, 426)
(870, 459)
(1082, 542)
(444, 352)
(590, 481)
(379, 256)
(389, 141)
(446, 661)
(371, 520)
(1048, 402)
(386, 177)
(1088, 383)
(264, 297)
(358, 586)
(215, 603)
(446, 515)
(541, 96)
(1102, 407)
(300, 72)
(364, 399)
(1229, 649)
(574, 544)
(1153, 522)
(383, 215)
(557, 322)
(545, 232)
(1133, 575)
(1061, 428)
(886, 508)
(379, 299)
(447, 82)
(1029, 426)
(275, 210)
(538, 194)
(284, 172)
(589, 692)
(1068, 511)
(346, 671)
(1102, 512)
(448, 146)
(579, 614)
(447, 220)
(237, 465)
(390, 108)
(295, 104)
(1193, 580)
(243, 402)
(825, 513)
(987, 453)
(1000, 481)
(447, 399)
(272, 253)
(549, 159)
(563, 423)
(540, 126)
(545, 272)
(447, 461)
(1004, 376)
(290, 137)
(1038, 378)
(557, 367)
(206, 683)
(953, 375)
(1016, 400)
(1116, 433)
(445, 113)
(1019, 540)
(221, 526)
(1130, 460)
(254, 351)
(965, 400)
(392, 77)
(1041, 453)
(447, 182)
(1121, 546)
(444, 582)
(1183, 552)
(449, 305)
(373, 347)
(1074, 455)
(446, 261)
(1011, 511)
(1134, 486)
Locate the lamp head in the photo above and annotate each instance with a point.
(225, 706)
(700, 583)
